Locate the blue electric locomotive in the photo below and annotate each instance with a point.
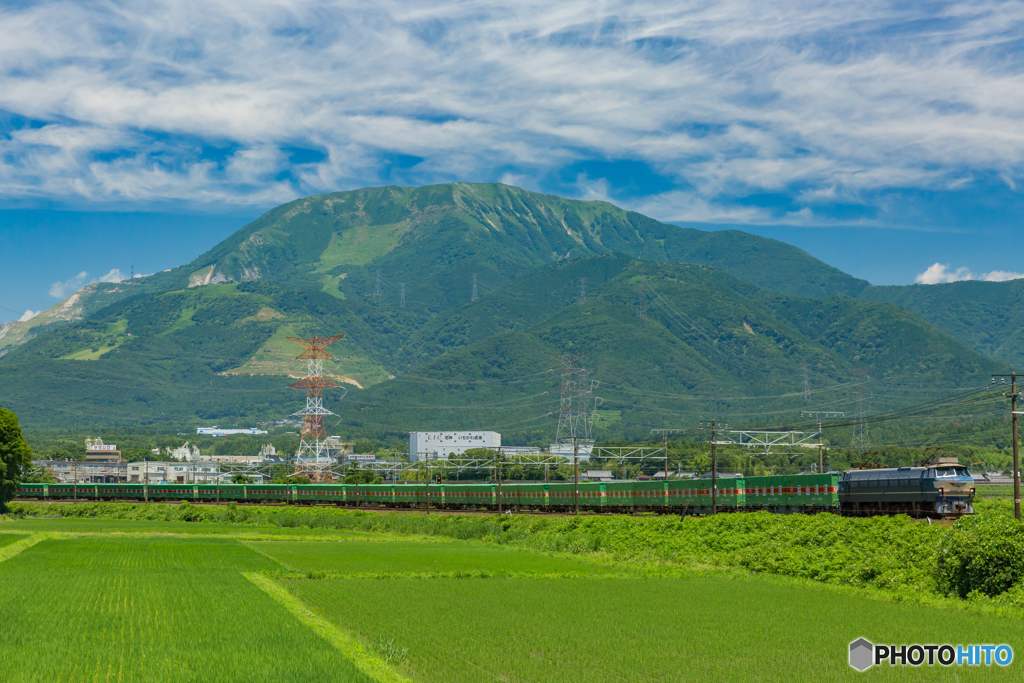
(934, 491)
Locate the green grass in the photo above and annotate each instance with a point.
(994, 492)
(360, 245)
(592, 630)
(171, 609)
(356, 557)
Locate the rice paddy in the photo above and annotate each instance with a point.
(143, 609)
(134, 600)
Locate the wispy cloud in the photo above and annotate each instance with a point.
(28, 315)
(64, 289)
(202, 101)
(69, 286)
(939, 273)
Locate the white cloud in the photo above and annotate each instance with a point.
(28, 315)
(940, 273)
(1001, 276)
(198, 101)
(64, 289)
(70, 286)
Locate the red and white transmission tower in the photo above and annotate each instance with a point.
(313, 457)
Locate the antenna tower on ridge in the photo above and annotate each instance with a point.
(376, 289)
(474, 295)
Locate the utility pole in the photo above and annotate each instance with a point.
(497, 470)
(1016, 458)
(807, 385)
(714, 426)
(576, 473)
(665, 433)
(819, 414)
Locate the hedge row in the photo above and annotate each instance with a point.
(982, 555)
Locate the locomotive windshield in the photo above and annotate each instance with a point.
(951, 472)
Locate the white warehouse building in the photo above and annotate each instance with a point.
(439, 445)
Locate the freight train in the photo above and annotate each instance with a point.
(939, 491)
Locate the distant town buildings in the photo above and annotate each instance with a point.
(185, 453)
(337, 448)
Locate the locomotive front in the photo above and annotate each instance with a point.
(951, 487)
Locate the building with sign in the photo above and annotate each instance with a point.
(97, 451)
(439, 445)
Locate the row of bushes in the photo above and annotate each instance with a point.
(981, 555)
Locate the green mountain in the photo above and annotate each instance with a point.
(433, 238)
(986, 316)
(456, 301)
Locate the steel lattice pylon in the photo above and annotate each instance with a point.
(313, 458)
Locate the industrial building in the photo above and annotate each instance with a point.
(186, 453)
(72, 471)
(152, 472)
(567, 450)
(217, 431)
(439, 445)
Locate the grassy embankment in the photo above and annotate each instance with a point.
(901, 557)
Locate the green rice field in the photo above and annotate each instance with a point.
(125, 600)
(657, 629)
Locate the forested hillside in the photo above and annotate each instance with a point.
(456, 301)
(986, 316)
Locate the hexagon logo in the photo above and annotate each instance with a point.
(861, 654)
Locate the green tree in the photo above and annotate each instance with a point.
(15, 456)
(38, 475)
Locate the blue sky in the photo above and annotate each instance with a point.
(885, 138)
